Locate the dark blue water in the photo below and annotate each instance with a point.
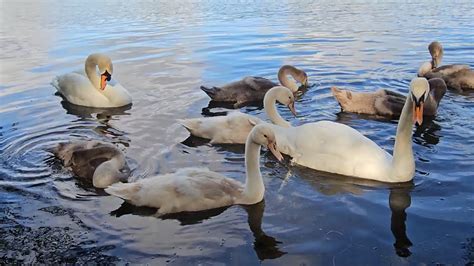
(162, 53)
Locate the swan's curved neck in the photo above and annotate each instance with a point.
(403, 162)
(91, 72)
(269, 104)
(283, 78)
(254, 187)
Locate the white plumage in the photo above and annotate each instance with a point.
(195, 189)
(338, 148)
(86, 88)
(235, 127)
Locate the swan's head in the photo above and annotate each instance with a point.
(436, 51)
(284, 96)
(301, 77)
(419, 91)
(298, 74)
(424, 69)
(263, 135)
(105, 66)
(106, 69)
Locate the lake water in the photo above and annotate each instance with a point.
(162, 52)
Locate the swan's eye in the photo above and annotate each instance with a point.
(422, 98)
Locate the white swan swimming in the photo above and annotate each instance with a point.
(196, 189)
(337, 148)
(96, 162)
(87, 88)
(235, 127)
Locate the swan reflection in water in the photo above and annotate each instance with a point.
(399, 198)
(103, 116)
(266, 247)
(87, 112)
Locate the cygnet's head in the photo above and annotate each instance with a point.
(436, 51)
(419, 91)
(298, 74)
(263, 135)
(302, 77)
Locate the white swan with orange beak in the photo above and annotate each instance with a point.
(91, 88)
(337, 148)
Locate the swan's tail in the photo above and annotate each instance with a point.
(55, 82)
(211, 92)
(192, 125)
(126, 191)
(343, 97)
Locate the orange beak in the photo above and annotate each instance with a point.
(103, 81)
(272, 147)
(418, 114)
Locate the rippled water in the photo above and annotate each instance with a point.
(162, 53)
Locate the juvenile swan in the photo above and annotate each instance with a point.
(337, 148)
(457, 77)
(196, 189)
(387, 103)
(92, 90)
(253, 89)
(235, 127)
(93, 161)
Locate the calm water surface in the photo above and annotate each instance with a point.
(162, 53)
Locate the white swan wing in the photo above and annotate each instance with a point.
(190, 189)
(337, 148)
(116, 94)
(77, 89)
(233, 128)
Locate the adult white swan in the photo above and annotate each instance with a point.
(337, 148)
(235, 127)
(196, 189)
(90, 88)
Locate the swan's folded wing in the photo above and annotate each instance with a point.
(450, 69)
(259, 83)
(240, 121)
(390, 105)
(394, 94)
(208, 185)
(100, 154)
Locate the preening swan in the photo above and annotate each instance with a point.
(90, 89)
(457, 77)
(95, 162)
(253, 89)
(196, 189)
(340, 149)
(387, 103)
(235, 127)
